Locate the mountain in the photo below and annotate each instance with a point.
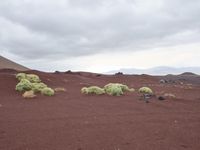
(161, 70)
(8, 64)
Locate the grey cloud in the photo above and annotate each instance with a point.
(69, 28)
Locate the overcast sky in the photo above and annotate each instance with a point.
(100, 35)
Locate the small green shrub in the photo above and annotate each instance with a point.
(33, 78)
(23, 85)
(84, 90)
(47, 91)
(114, 89)
(145, 90)
(92, 90)
(20, 76)
(37, 87)
(123, 87)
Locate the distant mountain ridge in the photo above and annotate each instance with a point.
(8, 64)
(161, 70)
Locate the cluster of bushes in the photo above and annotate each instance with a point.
(115, 89)
(31, 84)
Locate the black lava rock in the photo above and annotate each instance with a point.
(161, 98)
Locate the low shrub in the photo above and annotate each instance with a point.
(23, 85)
(31, 84)
(33, 78)
(92, 90)
(20, 76)
(47, 91)
(117, 89)
(125, 88)
(84, 90)
(169, 95)
(145, 90)
(37, 87)
(114, 89)
(29, 94)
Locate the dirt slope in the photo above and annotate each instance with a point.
(72, 121)
(8, 64)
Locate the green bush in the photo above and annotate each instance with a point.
(125, 88)
(92, 90)
(24, 85)
(31, 84)
(145, 90)
(33, 78)
(47, 91)
(20, 76)
(37, 87)
(84, 90)
(114, 89)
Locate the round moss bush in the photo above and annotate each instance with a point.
(47, 91)
(33, 78)
(145, 90)
(84, 90)
(24, 85)
(114, 89)
(92, 90)
(123, 87)
(20, 76)
(37, 87)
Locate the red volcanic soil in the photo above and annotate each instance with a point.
(72, 121)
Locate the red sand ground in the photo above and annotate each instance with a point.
(72, 121)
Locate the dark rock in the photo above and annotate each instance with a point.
(119, 73)
(98, 75)
(161, 98)
(57, 72)
(163, 81)
(68, 72)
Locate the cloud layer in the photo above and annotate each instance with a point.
(73, 28)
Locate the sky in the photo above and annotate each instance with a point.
(100, 35)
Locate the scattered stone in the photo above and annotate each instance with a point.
(162, 81)
(147, 97)
(161, 98)
(119, 73)
(59, 89)
(57, 72)
(169, 95)
(29, 94)
(98, 75)
(69, 71)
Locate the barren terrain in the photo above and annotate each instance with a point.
(73, 121)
